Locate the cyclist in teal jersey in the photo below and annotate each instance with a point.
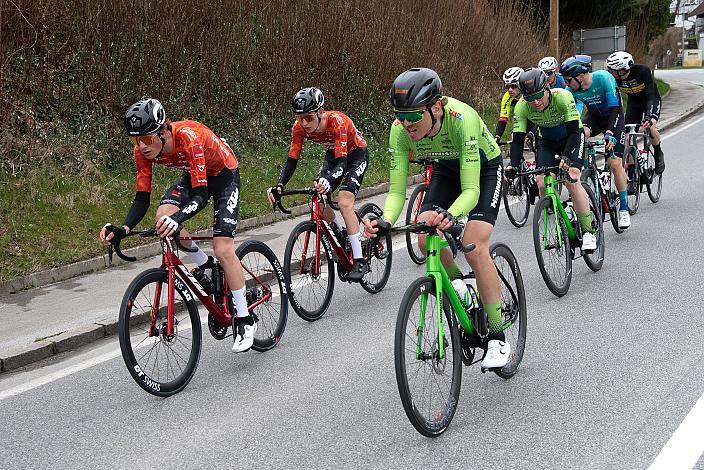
(598, 92)
(560, 130)
(467, 180)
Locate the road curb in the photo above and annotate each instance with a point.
(686, 114)
(99, 263)
(18, 357)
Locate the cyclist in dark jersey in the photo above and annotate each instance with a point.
(210, 169)
(346, 160)
(644, 101)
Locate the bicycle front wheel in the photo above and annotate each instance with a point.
(552, 247)
(632, 167)
(654, 184)
(595, 260)
(428, 381)
(378, 253)
(160, 363)
(266, 292)
(513, 306)
(309, 269)
(412, 212)
(517, 200)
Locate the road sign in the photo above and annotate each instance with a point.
(668, 52)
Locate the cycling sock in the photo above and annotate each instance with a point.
(339, 221)
(585, 221)
(453, 271)
(623, 197)
(240, 302)
(356, 245)
(199, 257)
(493, 313)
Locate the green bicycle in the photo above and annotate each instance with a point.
(437, 332)
(557, 233)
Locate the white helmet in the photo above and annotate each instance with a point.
(620, 60)
(548, 63)
(511, 75)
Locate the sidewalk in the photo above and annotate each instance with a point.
(63, 316)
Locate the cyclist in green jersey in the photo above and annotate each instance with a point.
(561, 133)
(509, 100)
(467, 180)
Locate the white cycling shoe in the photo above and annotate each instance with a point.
(497, 354)
(243, 331)
(624, 219)
(588, 242)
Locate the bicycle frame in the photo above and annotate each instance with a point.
(427, 176)
(177, 272)
(322, 226)
(550, 192)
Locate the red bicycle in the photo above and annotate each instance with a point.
(413, 210)
(159, 324)
(312, 250)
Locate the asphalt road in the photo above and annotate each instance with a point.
(609, 373)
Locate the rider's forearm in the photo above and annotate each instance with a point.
(575, 140)
(500, 128)
(138, 210)
(287, 171)
(195, 205)
(517, 148)
(614, 118)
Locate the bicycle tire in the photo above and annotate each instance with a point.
(296, 285)
(595, 260)
(521, 204)
(272, 314)
(654, 184)
(440, 417)
(557, 287)
(614, 205)
(511, 309)
(135, 310)
(412, 212)
(632, 170)
(380, 254)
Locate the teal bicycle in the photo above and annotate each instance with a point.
(437, 332)
(557, 233)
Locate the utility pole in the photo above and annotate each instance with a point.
(554, 42)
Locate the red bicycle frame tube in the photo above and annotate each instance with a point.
(321, 225)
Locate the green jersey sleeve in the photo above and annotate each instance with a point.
(466, 136)
(400, 148)
(520, 119)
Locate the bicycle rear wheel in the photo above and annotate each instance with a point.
(160, 364)
(412, 212)
(632, 168)
(513, 305)
(517, 200)
(552, 247)
(595, 260)
(378, 253)
(266, 292)
(614, 206)
(310, 288)
(429, 385)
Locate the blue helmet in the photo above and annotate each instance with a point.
(575, 65)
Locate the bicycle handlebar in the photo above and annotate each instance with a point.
(150, 232)
(424, 161)
(453, 240)
(545, 170)
(309, 191)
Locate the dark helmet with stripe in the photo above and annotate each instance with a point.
(146, 116)
(575, 65)
(532, 80)
(415, 88)
(308, 100)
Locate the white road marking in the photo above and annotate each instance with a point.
(686, 445)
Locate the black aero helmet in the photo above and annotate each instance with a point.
(308, 100)
(415, 88)
(532, 81)
(575, 65)
(146, 116)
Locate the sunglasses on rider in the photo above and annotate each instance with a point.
(512, 86)
(549, 73)
(144, 139)
(410, 116)
(534, 96)
(305, 117)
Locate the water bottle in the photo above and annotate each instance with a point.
(571, 215)
(462, 292)
(643, 160)
(605, 180)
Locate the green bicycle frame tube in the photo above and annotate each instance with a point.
(557, 206)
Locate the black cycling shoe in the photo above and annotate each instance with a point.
(659, 161)
(359, 269)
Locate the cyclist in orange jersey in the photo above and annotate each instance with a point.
(210, 170)
(346, 160)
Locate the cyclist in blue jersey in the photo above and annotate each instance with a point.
(549, 65)
(597, 90)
